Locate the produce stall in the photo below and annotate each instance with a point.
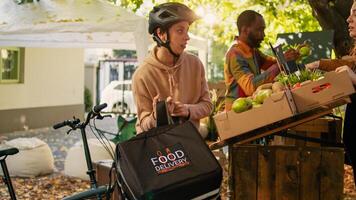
(270, 129)
(284, 109)
(281, 171)
(284, 172)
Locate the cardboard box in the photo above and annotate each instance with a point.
(277, 107)
(332, 87)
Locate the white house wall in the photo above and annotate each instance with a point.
(53, 89)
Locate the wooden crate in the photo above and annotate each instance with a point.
(328, 129)
(286, 172)
(102, 169)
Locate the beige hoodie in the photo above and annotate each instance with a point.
(185, 82)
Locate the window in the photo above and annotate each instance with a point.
(10, 65)
(129, 69)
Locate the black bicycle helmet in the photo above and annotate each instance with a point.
(167, 14)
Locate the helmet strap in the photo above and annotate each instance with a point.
(166, 45)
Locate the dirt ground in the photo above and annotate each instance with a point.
(57, 186)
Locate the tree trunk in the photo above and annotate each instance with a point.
(332, 15)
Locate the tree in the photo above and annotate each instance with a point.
(131, 4)
(282, 16)
(332, 15)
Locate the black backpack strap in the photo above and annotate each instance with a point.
(162, 115)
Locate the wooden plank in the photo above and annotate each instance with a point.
(266, 188)
(295, 142)
(317, 125)
(332, 174)
(287, 173)
(278, 140)
(338, 129)
(334, 132)
(244, 172)
(303, 143)
(313, 135)
(309, 170)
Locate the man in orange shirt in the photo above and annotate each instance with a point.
(245, 66)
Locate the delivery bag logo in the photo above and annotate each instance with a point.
(169, 159)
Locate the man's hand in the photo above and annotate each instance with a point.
(180, 109)
(291, 54)
(170, 105)
(312, 65)
(154, 107)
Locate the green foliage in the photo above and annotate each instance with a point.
(88, 103)
(127, 129)
(281, 16)
(131, 4)
(218, 53)
(217, 107)
(299, 77)
(287, 16)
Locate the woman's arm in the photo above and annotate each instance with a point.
(144, 104)
(329, 64)
(351, 73)
(204, 106)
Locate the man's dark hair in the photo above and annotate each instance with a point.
(246, 18)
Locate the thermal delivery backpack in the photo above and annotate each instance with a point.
(168, 162)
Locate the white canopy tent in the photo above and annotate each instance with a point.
(78, 23)
(54, 34)
(72, 23)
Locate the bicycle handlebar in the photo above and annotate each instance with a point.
(99, 107)
(94, 112)
(66, 123)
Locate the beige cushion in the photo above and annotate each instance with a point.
(34, 158)
(75, 163)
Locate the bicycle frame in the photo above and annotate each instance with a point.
(75, 124)
(7, 180)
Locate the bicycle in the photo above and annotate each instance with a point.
(95, 191)
(4, 152)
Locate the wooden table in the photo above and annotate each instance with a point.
(248, 182)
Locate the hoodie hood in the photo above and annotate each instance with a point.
(152, 60)
(170, 70)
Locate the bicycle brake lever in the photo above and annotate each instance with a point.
(70, 130)
(100, 117)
